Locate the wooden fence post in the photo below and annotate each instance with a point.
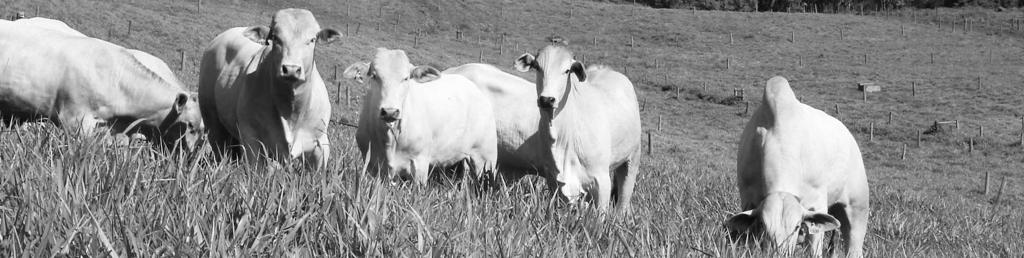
(919, 137)
(904, 156)
(659, 123)
(999, 194)
(890, 118)
(338, 86)
(570, 10)
(181, 66)
(348, 96)
(913, 89)
(129, 29)
(1022, 131)
(970, 146)
(649, 143)
(837, 110)
(871, 131)
(988, 175)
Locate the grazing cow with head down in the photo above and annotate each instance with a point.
(800, 174)
(415, 118)
(590, 122)
(260, 90)
(53, 72)
(516, 117)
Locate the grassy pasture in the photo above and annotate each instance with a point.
(68, 195)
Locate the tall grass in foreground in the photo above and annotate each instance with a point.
(65, 195)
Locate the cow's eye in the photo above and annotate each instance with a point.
(311, 41)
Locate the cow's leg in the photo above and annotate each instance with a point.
(317, 157)
(854, 237)
(625, 180)
(838, 211)
(603, 180)
(420, 168)
(817, 242)
(221, 142)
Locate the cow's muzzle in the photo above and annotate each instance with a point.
(390, 114)
(291, 72)
(546, 102)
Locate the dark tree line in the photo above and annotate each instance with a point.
(817, 5)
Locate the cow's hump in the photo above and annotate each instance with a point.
(779, 97)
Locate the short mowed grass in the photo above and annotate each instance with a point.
(68, 195)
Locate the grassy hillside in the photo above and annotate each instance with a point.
(68, 195)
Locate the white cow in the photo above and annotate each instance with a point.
(415, 118)
(79, 82)
(260, 90)
(516, 117)
(56, 25)
(795, 163)
(590, 121)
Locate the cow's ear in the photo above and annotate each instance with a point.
(817, 222)
(741, 222)
(424, 74)
(326, 36)
(180, 102)
(257, 34)
(356, 71)
(578, 69)
(524, 62)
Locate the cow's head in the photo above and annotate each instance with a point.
(183, 127)
(292, 36)
(557, 72)
(781, 221)
(391, 75)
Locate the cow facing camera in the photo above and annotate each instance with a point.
(558, 40)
